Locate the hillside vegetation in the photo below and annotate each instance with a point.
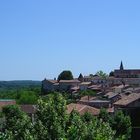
(24, 92)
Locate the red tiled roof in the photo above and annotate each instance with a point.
(95, 86)
(82, 109)
(29, 109)
(56, 84)
(5, 102)
(52, 81)
(75, 91)
(87, 98)
(75, 88)
(128, 99)
(85, 83)
(69, 81)
(110, 110)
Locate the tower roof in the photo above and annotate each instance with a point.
(121, 66)
(81, 78)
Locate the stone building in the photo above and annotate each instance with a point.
(62, 85)
(113, 97)
(126, 73)
(65, 85)
(131, 105)
(130, 101)
(96, 103)
(49, 85)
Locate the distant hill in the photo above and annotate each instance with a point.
(18, 84)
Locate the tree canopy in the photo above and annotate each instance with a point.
(119, 122)
(24, 95)
(111, 73)
(52, 122)
(17, 124)
(101, 74)
(65, 75)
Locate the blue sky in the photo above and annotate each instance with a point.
(40, 38)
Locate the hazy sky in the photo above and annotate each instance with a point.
(40, 38)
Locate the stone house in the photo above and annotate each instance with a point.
(49, 85)
(62, 85)
(130, 105)
(84, 85)
(130, 101)
(66, 85)
(87, 78)
(120, 88)
(96, 88)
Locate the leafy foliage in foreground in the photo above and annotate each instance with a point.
(17, 125)
(119, 122)
(53, 123)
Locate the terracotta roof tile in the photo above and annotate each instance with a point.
(87, 98)
(128, 99)
(5, 102)
(52, 81)
(85, 83)
(82, 109)
(69, 81)
(29, 109)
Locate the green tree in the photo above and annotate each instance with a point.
(122, 124)
(51, 114)
(52, 122)
(18, 126)
(24, 95)
(98, 130)
(40, 131)
(27, 97)
(6, 136)
(87, 117)
(55, 123)
(88, 128)
(111, 73)
(65, 75)
(102, 74)
(104, 116)
(77, 130)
